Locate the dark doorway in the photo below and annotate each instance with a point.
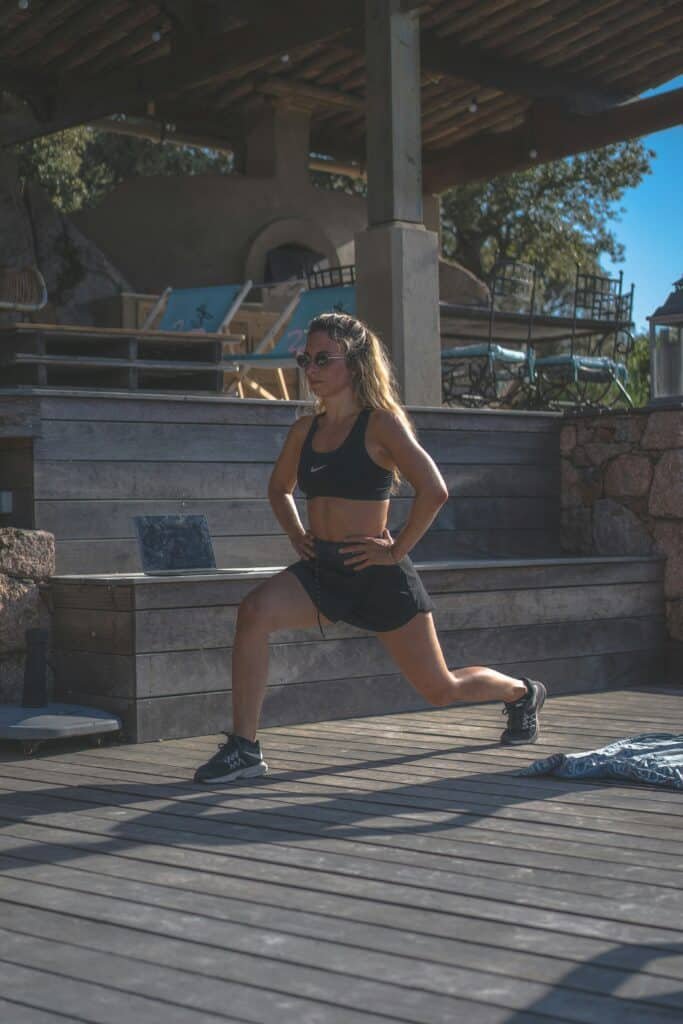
(288, 261)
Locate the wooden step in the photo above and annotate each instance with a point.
(156, 651)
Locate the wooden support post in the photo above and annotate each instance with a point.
(396, 257)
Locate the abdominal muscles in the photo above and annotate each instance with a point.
(340, 518)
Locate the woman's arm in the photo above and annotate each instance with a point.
(281, 487)
(420, 471)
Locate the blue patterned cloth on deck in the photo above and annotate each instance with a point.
(655, 758)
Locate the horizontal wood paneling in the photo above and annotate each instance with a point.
(208, 668)
(255, 442)
(97, 481)
(193, 714)
(122, 556)
(142, 592)
(100, 462)
(210, 409)
(102, 520)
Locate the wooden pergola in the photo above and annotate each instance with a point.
(421, 96)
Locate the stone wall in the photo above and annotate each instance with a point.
(27, 557)
(622, 492)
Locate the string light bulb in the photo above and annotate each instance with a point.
(23, 5)
(533, 154)
(156, 35)
(285, 58)
(473, 106)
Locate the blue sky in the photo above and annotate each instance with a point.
(651, 229)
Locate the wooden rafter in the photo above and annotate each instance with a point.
(229, 54)
(550, 136)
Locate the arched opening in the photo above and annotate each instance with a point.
(280, 250)
(291, 260)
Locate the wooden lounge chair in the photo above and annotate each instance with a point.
(208, 310)
(293, 322)
(187, 346)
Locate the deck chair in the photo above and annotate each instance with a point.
(187, 310)
(297, 315)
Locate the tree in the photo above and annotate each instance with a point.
(555, 215)
(638, 365)
(79, 166)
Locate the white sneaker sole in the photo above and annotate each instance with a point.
(242, 773)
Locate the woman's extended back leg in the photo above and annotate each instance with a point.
(278, 603)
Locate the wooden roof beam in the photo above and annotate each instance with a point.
(441, 56)
(549, 135)
(126, 91)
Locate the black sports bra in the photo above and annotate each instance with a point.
(346, 471)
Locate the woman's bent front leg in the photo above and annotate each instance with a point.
(279, 603)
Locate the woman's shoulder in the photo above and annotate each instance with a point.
(301, 425)
(383, 420)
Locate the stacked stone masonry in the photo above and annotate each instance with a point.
(622, 492)
(27, 558)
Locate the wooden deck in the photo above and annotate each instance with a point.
(388, 869)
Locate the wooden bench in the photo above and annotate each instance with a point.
(157, 651)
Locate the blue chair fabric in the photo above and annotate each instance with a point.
(338, 299)
(198, 309)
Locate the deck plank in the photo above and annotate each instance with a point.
(389, 868)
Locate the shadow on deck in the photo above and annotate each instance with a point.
(387, 868)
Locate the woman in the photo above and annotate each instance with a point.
(346, 459)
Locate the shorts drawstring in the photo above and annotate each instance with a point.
(318, 596)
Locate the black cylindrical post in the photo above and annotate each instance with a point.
(35, 672)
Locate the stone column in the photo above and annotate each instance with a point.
(278, 142)
(397, 259)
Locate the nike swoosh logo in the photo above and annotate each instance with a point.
(314, 469)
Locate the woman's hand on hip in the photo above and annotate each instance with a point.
(366, 551)
(304, 544)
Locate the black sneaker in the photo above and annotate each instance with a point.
(236, 759)
(523, 715)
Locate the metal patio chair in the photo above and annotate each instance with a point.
(487, 372)
(597, 377)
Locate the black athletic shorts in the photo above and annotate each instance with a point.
(378, 598)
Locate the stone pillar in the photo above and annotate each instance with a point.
(397, 259)
(27, 558)
(278, 142)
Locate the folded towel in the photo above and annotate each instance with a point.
(655, 758)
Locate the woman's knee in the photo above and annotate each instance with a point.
(253, 611)
(440, 695)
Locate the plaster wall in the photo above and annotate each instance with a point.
(207, 229)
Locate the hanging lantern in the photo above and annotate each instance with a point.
(666, 351)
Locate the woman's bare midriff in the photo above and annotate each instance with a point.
(337, 519)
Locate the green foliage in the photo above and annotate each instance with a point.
(79, 166)
(56, 162)
(555, 215)
(638, 364)
(340, 183)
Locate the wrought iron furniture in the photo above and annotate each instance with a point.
(596, 376)
(487, 372)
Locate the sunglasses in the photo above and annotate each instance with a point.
(320, 359)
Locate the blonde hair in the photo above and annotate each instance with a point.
(374, 383)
